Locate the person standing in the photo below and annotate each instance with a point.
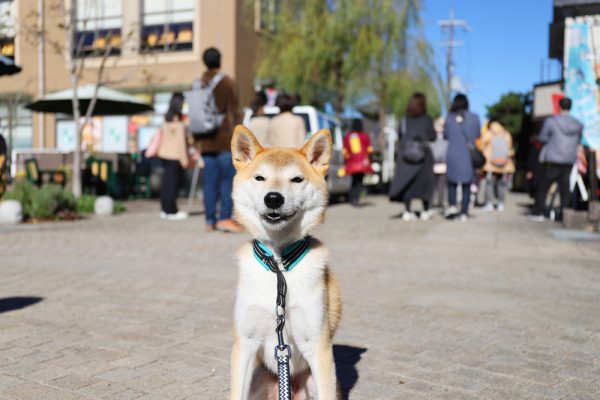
(439, 149)
(497, 147)
(3, 157)
(216, 150)
(174, 156)
(461, 129)
(561, 137)
(357, 149)
(286, 129)
(414, 178)
(259, 123)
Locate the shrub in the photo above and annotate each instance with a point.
(47, 202)
(119, 207)
(85, 204)
(24, 192)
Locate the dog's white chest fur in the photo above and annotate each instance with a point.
(255, 305)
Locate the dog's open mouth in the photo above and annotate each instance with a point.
(276, 218)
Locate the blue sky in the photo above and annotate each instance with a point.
(503, 52)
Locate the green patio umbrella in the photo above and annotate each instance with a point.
(108, 102)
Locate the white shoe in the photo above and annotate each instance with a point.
(500, 207)
(488, 207)
(163, 215)
(426, 215)
(536, 217)
(463, 218)
(408, 216)
(450, 212)
(178, 216)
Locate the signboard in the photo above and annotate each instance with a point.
(544, 98)
(582, 68)
(65, 136)
(114, 134)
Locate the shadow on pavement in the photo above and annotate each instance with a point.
(346, 358)
(16, 303)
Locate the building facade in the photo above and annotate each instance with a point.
(155, 48)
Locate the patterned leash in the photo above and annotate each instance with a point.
(283, 353)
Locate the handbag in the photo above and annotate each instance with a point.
(413, 151)
(477, 157)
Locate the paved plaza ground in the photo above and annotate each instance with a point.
(132, 307)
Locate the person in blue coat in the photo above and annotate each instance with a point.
(461, 127)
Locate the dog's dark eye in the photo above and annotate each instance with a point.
(259, 178)
(297, 179)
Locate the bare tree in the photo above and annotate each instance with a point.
(64, 41)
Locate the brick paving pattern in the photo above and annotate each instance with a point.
(133, 307)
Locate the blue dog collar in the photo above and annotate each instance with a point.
(290, 256)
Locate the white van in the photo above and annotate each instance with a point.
(337, 182)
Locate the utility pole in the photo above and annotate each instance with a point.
(449, 28)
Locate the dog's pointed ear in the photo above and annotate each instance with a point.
(318, 150)
(244, 147)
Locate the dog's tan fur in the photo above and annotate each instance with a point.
(252, 367)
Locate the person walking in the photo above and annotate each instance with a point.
(461, 129)
(414, 178)
(173, 153)
(439, 149)
(259, 123)
(216, 150)
(561, 137)
(497, 148)
(357, 149)
(286, 129)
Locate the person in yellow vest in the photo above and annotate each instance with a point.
(357, 151)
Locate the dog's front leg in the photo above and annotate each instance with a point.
(322, 366)
(243, 362)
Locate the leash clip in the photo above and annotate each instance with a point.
(283, 353)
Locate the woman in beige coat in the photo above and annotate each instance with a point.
(286, 129)
(173, 151)
(497, 147)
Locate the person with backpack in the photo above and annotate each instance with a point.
(497, 147)
(414, 178)
(461, 129)
(561, 138)
(213, 115)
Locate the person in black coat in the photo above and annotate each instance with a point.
(3, 158)
(414, 178)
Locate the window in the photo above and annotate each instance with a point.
(21, 134)
(98, 26)
(168, 25)
(7, 28)
(265, 15)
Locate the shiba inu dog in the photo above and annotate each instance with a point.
(280, 196)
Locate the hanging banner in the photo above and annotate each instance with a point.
(114, 134)
(582, 36)
(65, 136)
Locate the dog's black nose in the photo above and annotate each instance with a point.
(274, 200)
